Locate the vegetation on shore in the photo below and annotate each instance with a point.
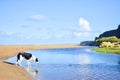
(108, 45)
(107, 50)
(108, 42)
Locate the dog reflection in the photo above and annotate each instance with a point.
(32, 72)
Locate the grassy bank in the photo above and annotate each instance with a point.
(107, 50)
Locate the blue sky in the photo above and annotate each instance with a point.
(56, 21)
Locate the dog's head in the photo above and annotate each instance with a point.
(36, 60)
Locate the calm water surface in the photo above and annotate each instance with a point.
(73, 64)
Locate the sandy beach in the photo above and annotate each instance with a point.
(13, 72)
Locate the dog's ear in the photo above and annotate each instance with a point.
(36, 60)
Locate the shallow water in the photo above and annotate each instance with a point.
(73, 64)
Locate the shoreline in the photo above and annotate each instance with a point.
(12, 72)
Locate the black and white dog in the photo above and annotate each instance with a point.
(28, 56)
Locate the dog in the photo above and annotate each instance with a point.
(28, 56)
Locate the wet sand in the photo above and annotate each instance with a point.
(13, 72)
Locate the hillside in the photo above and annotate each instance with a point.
(109, 33)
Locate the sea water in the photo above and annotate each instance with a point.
(73, 64)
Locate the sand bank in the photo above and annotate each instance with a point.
(12, 72)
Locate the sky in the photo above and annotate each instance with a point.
(45, 22)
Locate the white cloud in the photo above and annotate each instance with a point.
(86, 34)
(9, 33)
(81, 34)
(77, 33)
(61, 34)
(37, 17)
(84, 28)
(84, 25)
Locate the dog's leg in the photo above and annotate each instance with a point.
(19, 61)
(29, 65)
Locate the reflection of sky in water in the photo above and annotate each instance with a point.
(74, 56)
(73, 64)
